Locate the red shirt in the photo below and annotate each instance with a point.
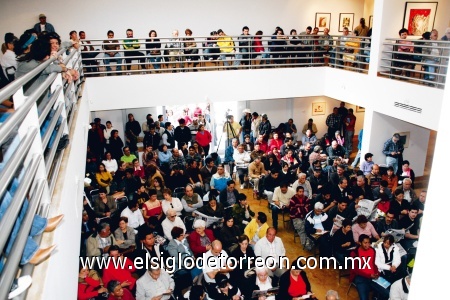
(263, 146)
(366, 272)
(88, 290)
(384, 207)
(297, 287)
(111, 273)
(204, 138)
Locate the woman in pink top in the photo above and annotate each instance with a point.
(363, 226)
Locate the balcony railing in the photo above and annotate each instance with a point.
(23, 182)
(420, 61)
(238, 52)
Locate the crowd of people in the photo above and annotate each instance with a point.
(180, 198)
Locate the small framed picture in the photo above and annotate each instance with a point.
(404, 138)
(318, 108)
(323, 21)
(360, 109)
(346, 20)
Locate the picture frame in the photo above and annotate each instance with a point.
(370, 21)
(360, 109)
(318, 108)
(346, 20)
(419, 17)
(323, 21)
(404, 138)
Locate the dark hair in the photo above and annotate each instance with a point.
(152, 192)
(284, 184)
(362, 237)
(398, 192)
(40, 49)
(73, 31)
(167, 124)
(309, 28)
(361, 219)
(299, 188)
(208, 160)
(403, 30)
(176, 232)
(196, 292)
(346, 222)
(214, 155)
(132, 204)
(405, 162)
(102, 191)
(125, 219)
(229, 182)
(167, 191)
(112, 285)
(367, 155)
(242, 197)
(242, 238)
(262, 217)
(110, 31)
(390, 238)
(113, 248)
(245, 27)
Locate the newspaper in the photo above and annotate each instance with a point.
(398, 234)
(267, 293)
(401, 250)
(339, 220)
(368, 208)
(208, 219)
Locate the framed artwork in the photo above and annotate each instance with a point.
(318, 108)
(346, 20)
(404, 138)
(419, 17)
(323, 21)
(370, 21)
(360, 109)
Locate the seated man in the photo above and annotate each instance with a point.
(406, 49)
(207, 171)
(317, 224)
(309, 137)
(87, 54)
(256, 172)
(134, 214)
(176, 178)
(271, 246)
(112, 48)
(191, 201)
(281, 199)
(382, 189)
(130, 45)
(177, 160)
(336, 150)
(242, 213)
(388, 259)
(98, 243)
(271, 181)
(374, 177)
(362, 190)
(388, 222)
(155, 284)
(128, 157)
(412, 227)
(367, 164)
(219, 179)
(209, 272)
(116, 291)
(229, 196)
(408, 192)
(242, 160)
(311, 126)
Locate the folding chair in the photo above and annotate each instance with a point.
(179, 192)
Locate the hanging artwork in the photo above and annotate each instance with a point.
(323, 21)
(419, 17)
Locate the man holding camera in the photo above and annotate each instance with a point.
(232, 128)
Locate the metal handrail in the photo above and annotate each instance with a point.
(10, 216)
(51, 126)
(19, 82)
(20, 113)
(49, 104)
(12, 263)
(51, 154)
(14, 162)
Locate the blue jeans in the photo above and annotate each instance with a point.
(118, 61)
(239, 56)
(357, 158)
(392, 161)
(431, 69)
(223, 57)
(275, 212)
(37, 228)
(155, 60)
(363, 286)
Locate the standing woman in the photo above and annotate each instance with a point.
(153, 46)
(203, 138)
(107, 133)
(115, 145)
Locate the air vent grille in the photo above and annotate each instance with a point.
(408, 107)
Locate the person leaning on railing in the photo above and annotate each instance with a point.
(132, 45)
(153, 46)
(434, 60)
(55, 44)
(406, 47)
(226, 46)
(39, 53)
(111, 48)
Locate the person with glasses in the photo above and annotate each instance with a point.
(172, 220)
(170, 202)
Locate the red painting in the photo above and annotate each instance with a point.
(418, 21)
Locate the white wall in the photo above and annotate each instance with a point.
(201, 16)
(383, 127)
